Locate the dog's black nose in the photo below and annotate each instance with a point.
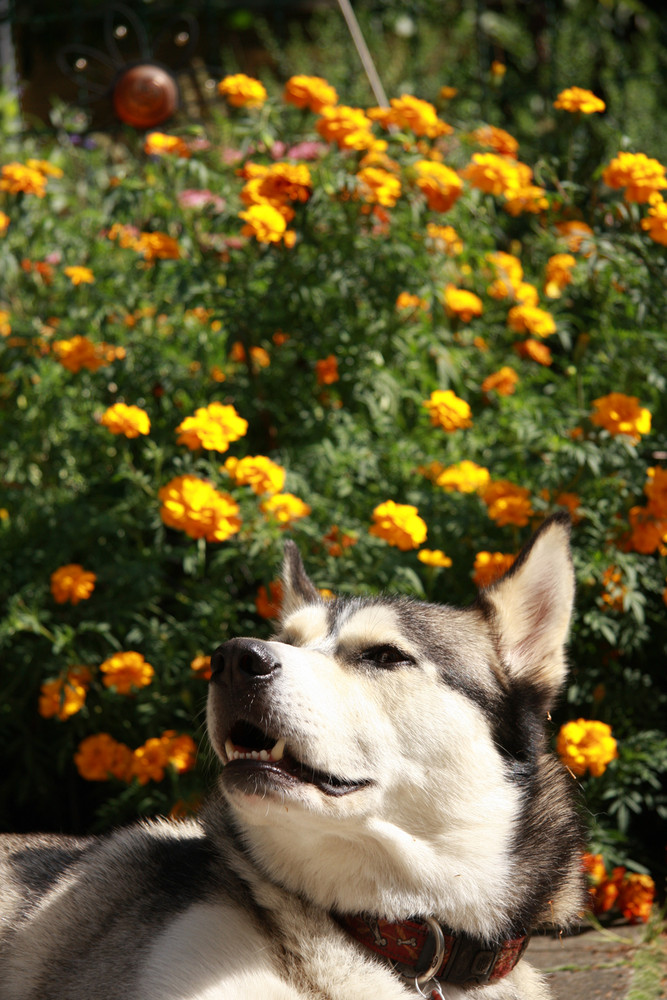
(243, 659)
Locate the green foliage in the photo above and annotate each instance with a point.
(201, 328)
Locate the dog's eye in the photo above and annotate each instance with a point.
(386, 656)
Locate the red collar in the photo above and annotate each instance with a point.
(423, 950)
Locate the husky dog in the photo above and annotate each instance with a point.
(389, 821)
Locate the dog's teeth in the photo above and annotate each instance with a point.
(229, 749)
(264, 755)
(278, 750)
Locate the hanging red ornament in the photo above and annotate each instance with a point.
(145, 95)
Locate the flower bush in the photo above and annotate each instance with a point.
(354, 326)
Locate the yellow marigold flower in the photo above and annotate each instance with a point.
(464, 477)
(64, 696)
(285, 508)
(407, 112)
(507, 503)
(656, 223)
(496, 139)
(434, 557)
(558, 274)
(311, 92)
(497, 174)
(80, 275)
(157, 246)
(72, 583)
(498, 68)
(640, 175)
(440, 185)
(201, 666)
(621, 414)
(101, 757)
(269, 603)
(126, 671)
(258, 472)
(504, 381)
(586, 745)
(194, 506)
(577, 99)
(326, 370)
(212, 427)
(379, 187)
(278, 184)
(448, 411)
(635, 897)
(242, 91)
(4, 223)
(530, 198)
(398, 524)
(45, 167)
(575, 233)
(490, 566)
(526, 294)
(160, 144)
(509, 271)
(348, 127)
(128, 420)
(16, 178)
(444, 238)
(462, 304)
(79, 352)
(267, 224)
(531, 319)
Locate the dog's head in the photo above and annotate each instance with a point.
(389, 738)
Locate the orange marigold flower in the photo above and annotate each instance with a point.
(101, 757)
(194, 506)
(656, 223)
(462, 304)
(406, 300)
(379, 187)
(534, 350)
(181, 750)
(126, 671)
(575, 99)
(213, 427)
(80, 275)
(490, 566)
(558, 274)
(614, 591)
(398, 524)
(160, 144)
(640, 175)
(310, 92)
(79, 352)
(507, 503)
(586, 745)
(635, 897)
(621, 414)
(656, 490)
(464, 477)
(530, 198)
(444, 238)
(407, 112)
(72, 583)
(576, 234)
(45, 167)
(242, 91)
(448, 411)
(157, 246)
(4, 223)
(531, 319)
(647, 530)
(201, 666)
(269, 602)
(348, 127)
(496, 139)
(128, 420)
(277, 185)
(497, 174)
(150, 760)
(258, 472)
(64, 696)
(285, 508)
(337, 541)
(509, 271)
(440, 185)
(16, 178)
(326, 370)
(434, 557)
(504, 381)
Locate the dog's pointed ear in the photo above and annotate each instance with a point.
(531, 607)
(298, 588)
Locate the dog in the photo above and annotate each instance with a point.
(389, 820)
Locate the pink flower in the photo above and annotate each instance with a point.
(194, 198)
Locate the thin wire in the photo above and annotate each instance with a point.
(364, 54)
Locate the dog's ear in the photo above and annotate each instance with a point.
(531, 607)
(298, 588)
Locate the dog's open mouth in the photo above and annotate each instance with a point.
(251, 751)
